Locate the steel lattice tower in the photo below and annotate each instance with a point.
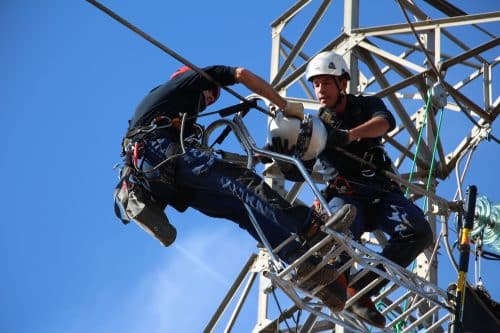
(386, 60)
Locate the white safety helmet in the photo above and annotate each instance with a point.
(327, 63)
(289, 129)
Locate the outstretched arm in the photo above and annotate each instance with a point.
(264, 89)
(373, 128)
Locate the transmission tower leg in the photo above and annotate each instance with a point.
(263, 297)
(351, 21)
(231, 293)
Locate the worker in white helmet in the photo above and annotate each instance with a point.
(158, 172)
(357, 124)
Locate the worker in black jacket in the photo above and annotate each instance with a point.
(197, 178)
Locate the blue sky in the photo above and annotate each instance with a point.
(71, 78)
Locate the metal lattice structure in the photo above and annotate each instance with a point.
(386, 60)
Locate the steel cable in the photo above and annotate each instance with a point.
(171, 52)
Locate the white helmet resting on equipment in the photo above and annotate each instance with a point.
(290, 128)
(327, 63)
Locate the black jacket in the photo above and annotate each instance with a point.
(182, 94)
(359, 109)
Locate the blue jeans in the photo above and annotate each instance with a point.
(405, 224)
(220, 189)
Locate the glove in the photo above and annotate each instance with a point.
(294, 109)
(278, 146)
(281, 146)
(337, 137)
(289, 170)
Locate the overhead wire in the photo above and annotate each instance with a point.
(460, 178)
(171, 52)
(282, 314)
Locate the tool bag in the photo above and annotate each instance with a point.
(134, 202)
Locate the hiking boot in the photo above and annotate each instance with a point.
(365, 310)
(323, 276)
(334, 295)
(313, 234)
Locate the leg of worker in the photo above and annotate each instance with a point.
(408, 230)
(220, 189)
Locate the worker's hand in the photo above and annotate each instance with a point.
(294, 109)
(280, 146)
(337, 137)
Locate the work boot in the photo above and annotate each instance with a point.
(323, 276)
(365, 310)
(334, 295)
(313, 234)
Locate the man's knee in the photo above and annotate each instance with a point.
(422, 235)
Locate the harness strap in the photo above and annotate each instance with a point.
(304, 137)
(121, 194)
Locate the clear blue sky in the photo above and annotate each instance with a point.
(71, 78)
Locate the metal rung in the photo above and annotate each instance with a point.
(279, 274)
(406, 312)
(396, 303)
(439, 322)
(363, 291)
(422, 318)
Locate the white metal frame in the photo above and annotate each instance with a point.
(373, 68)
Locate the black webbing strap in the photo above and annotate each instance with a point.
(304, 137)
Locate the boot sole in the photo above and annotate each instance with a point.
(333, 302)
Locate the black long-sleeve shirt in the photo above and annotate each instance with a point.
(182, 94)
(359, 109)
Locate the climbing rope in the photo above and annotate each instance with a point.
(433, 159)
(407, 193)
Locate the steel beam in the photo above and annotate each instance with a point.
(429, 25)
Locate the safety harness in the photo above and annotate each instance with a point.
(132, 198)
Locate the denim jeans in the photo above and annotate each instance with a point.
(405, 224)
(221, 189)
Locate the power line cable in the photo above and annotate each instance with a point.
(171, 52)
